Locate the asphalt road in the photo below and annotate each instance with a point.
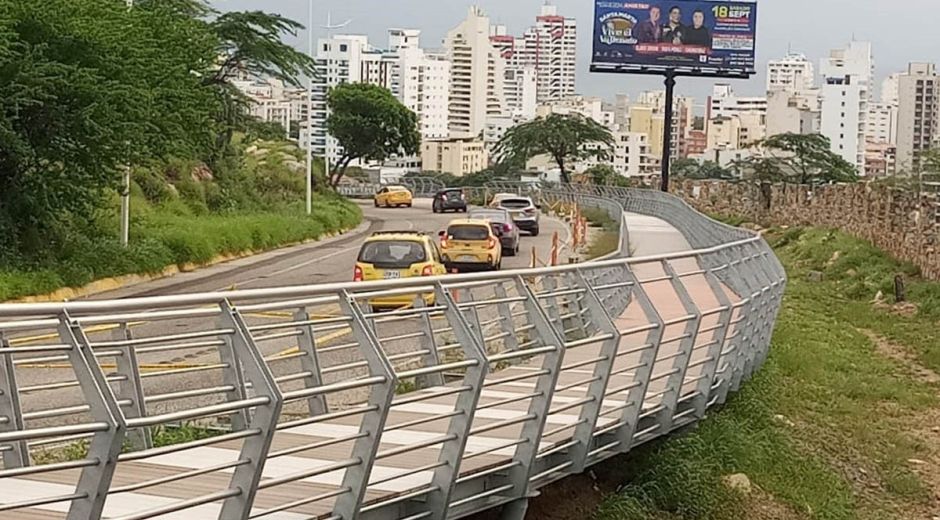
(313, 263)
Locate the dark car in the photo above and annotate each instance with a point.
(503, 227)
(449, 200)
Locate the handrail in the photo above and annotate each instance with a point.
(345, 367)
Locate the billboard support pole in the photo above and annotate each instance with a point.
(667, 128)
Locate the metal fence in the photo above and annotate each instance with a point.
(304, 402)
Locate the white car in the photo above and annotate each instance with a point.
(525, 213)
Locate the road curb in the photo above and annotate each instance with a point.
(128, 281)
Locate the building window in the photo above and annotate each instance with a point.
(343, 47)
(326, 47)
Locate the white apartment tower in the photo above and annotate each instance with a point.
(551, 46)
(421, 81)
(477, 76)
(794, 73)
(846, 93)
(918, 114)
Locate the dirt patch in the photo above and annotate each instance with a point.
(762, 506)
(926, 426)
(904, 357)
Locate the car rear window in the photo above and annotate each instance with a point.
(392, 254)
(452, 192)
(468, 233)
(515, 203)
(493, 216)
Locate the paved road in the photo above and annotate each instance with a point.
(314, 263)
(327, 261)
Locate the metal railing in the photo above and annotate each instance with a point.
(311, 403)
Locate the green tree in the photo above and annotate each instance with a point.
(369, 123)
(87, 86)
(797, 158)
(692, 169)
(565, 138)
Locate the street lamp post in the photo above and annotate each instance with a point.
(310, 115)
(126, 195)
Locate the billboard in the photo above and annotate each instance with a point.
(707, 35)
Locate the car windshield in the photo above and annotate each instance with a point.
(389, 254)
(492, 216)
(468, 233)
(516, 203)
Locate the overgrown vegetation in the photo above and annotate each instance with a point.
(92, 86)
(183, 213)
(605, 237)
(835, 426)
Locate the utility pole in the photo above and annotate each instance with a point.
(310, 51)
(126, 194)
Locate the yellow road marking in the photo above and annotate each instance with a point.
(89, 330)
(320, 339)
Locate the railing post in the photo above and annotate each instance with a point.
(680, 363)
(18, 455)
(105, 446)
(131, 389)
(310, 362)
(451, 454)
(356, 479)
(743, 330)
(526, 453)
(627, 427)
(232, 376)
(719, 339)
(264, 418)
(597, 390)
(506, 325)
(429, 345)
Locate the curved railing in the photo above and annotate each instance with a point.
(306, 402)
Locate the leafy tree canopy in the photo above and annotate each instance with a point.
(693, 169)
(369, 123)
(566, 138)
(798, 158)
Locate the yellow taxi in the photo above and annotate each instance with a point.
(394, 196)
(391, 255)
(471, 245)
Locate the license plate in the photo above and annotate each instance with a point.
(466, 258)
(392, 275)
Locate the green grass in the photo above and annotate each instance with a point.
(605, 237)
(825, 430)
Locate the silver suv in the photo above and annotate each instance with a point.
(525, 214)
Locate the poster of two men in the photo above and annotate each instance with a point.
(700, 34)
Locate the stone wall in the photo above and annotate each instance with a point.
(902, 222)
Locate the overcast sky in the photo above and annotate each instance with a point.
(900, 30)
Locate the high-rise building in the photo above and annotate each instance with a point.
(918, 114)
(520, 77)
(632, 156)
(724, 102)
(340, 59)
(793, 73)
(551, 46)
(477, 76)
(889, 89)
(420, 80)
(792, 112)
(846, 93)
(882, 125)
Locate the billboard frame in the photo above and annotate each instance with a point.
(670, 74)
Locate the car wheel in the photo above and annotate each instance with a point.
(513, 251)
(535, 232)
(376, 202)
(434, 208)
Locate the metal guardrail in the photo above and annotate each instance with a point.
(424, 187)
(487, 388)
